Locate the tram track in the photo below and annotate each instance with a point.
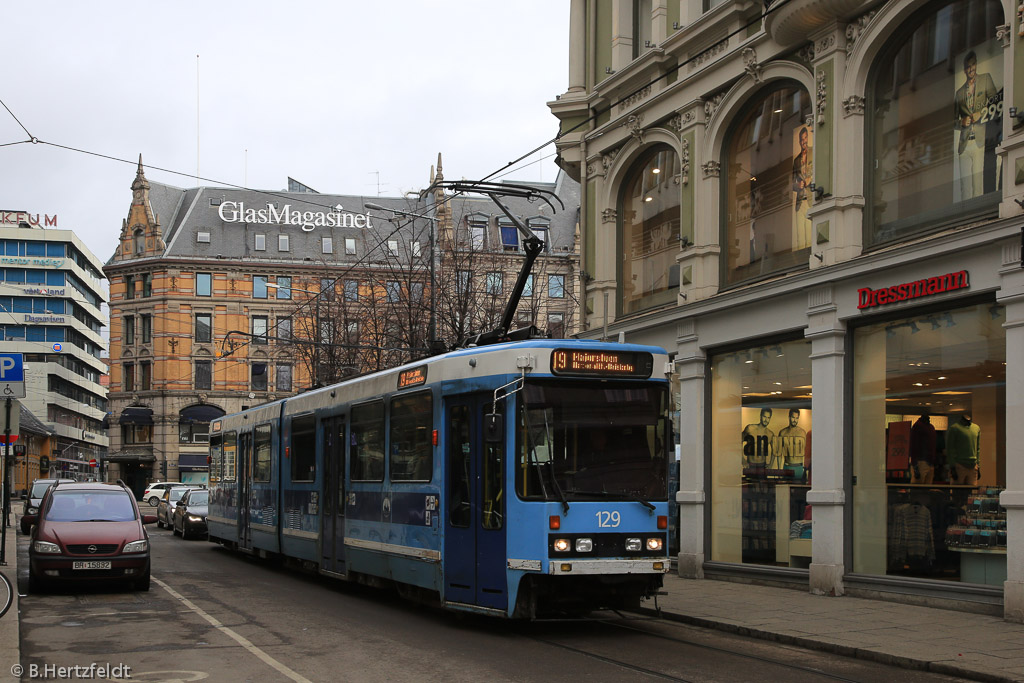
(810, 673)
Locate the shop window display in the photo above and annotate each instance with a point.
(929, 452)
(937, 105)
(650, 231)
(768, 178)
(761, 455)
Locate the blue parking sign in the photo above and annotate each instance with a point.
(11, 367)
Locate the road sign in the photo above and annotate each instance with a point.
(12, 375)
(93, 463)
(12, 368)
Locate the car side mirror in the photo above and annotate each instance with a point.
(146, 519)
(494, 428)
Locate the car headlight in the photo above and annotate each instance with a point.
(561, 545)
(137, 546)
(584, 545)
(195, 518)
(633, 545)
(32, 511)
(45, 547)
(654, 544)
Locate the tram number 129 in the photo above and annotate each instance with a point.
(608, 519)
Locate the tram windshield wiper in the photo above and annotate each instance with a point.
(610, 494)
(532, 444)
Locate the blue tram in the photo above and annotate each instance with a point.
(522, 479)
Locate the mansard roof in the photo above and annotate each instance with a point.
(229, 219)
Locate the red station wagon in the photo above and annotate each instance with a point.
(88, 532)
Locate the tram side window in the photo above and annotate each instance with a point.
(216, 459)
(367, 441)
(230, 444)
(412, 426)
(303, 453)
(261, 471)
(493, 482)
(459, 510)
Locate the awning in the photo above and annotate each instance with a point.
(192, 462)
(200, 413)
(136, 415)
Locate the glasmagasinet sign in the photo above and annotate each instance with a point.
(929, 286)
(238, 212)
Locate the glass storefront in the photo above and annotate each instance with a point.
(937, 105)
(929, 446)
(650, 231)
(768, 173)
(761, 455)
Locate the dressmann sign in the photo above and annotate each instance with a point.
(238, 212)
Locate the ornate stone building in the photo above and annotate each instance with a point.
(816, 207)
(223, 298)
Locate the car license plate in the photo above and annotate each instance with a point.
(92, 564)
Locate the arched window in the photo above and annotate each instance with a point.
(935, 105)
(648, 272)
(767, 173)
(139, 241)
(194, 423)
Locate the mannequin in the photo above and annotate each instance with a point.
(922, 451)
(962, 448)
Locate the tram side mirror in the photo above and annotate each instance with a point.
(494, 428)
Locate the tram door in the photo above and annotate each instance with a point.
(244, 489)
(333, 540)
(474, 524)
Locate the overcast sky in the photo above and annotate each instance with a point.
(338, 95)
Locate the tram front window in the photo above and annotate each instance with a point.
(587, 441)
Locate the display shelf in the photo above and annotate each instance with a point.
(984, 551)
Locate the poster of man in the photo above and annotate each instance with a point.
(758, 442)
(803, 178)
(793, 444)
(978, 105)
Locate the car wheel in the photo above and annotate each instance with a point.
(26, 528)
(143, 583)
(35, 582)
(154, 501)
(184, 532)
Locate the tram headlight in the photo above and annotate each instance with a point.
(633, 545)
(584, 545)
(561, 545)
(654, 544)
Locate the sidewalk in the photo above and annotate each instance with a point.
(10, 636)
(968, 645)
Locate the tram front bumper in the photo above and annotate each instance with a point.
(631, 566)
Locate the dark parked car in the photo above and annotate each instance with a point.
(165, 508)
(89, 532)
(35, 497)
(189, 518)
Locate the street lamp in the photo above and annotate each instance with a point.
(432, 334)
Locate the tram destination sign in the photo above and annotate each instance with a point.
(413, 377)
(590, 363)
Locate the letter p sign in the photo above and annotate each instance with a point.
(11, 369)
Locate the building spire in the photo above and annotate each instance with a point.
(140, 186)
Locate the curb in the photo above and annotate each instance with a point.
(833, 648)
